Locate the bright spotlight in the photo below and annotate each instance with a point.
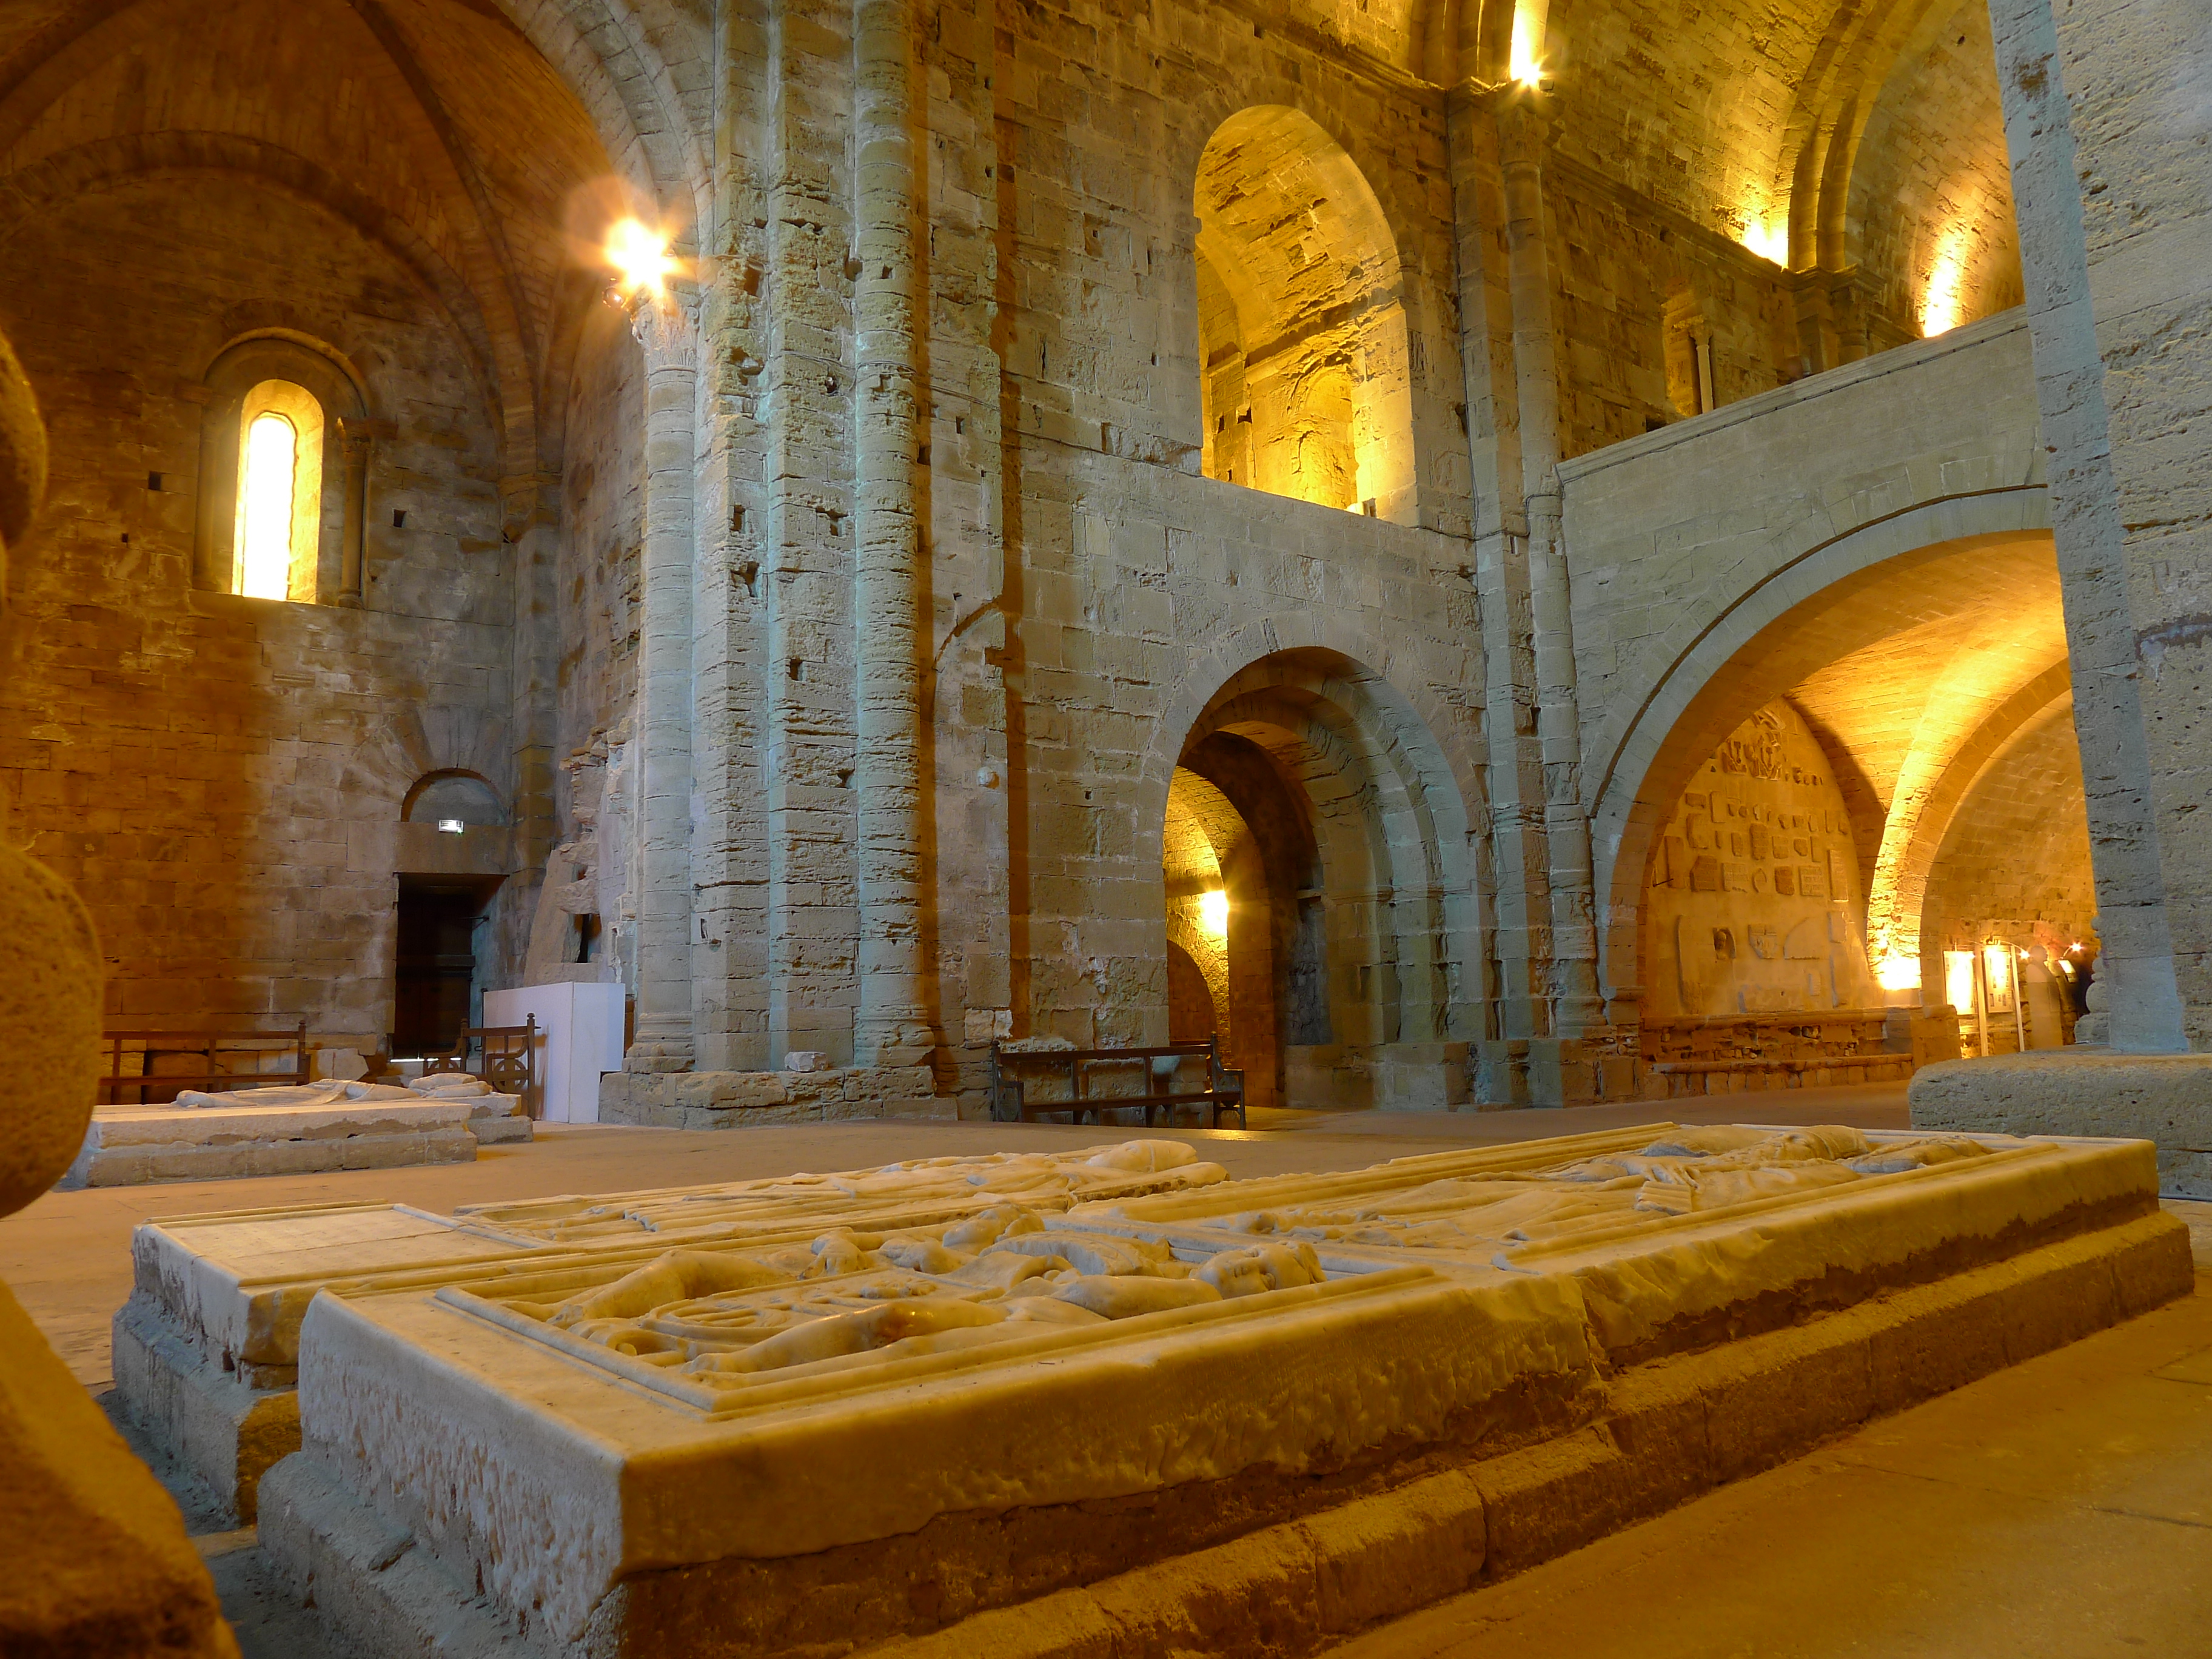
(1214, 911)
(1898, 973)
(640, 254)
(1525, 64)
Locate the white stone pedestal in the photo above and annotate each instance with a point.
(582, 1027)
(2164, 1098)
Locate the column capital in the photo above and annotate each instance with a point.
(667, 325)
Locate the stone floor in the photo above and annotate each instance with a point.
(2062, 1508)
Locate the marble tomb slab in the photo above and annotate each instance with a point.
(206, 1347)
(129, 1146)
(909, 1425)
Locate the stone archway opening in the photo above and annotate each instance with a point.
(1314, 878)
(1306, 379)
(1872, 811)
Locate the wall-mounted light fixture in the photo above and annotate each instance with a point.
(450, 826)
(1214, 911)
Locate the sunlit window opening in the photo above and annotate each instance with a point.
(276, 548)
(267, 473)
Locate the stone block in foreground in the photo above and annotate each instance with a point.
(2166, 1099)
(1405, 1379)
(130, 1145)
(207, 1347)
(746, 1100)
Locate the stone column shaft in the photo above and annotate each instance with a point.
(666, 329)
(893, 1023)
(1514, 784)
(1576, 1007)
(2136, 961)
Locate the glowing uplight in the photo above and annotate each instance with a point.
(265, 510)
(1214, 911)
(1526, 62)
(1770, 242)
(451, 827)
(640, 254)
(1943, 299)
(1898, 973)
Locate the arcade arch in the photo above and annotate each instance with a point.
(1839, 812)
(1315, 874)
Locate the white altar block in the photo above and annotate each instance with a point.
(581, 1030)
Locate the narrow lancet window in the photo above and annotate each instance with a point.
(267, 472)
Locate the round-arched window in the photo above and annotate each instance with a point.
(266, 473)
(278, 539)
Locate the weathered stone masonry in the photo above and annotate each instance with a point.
(830, 628)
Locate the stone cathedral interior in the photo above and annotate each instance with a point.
(1453, 749)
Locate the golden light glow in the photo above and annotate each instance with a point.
(1959, 980)
(1898, 973)
(1213, 912)
(264, 509)
(1527, 64)
(640, 254)
(1770, 241)
(1943, 299)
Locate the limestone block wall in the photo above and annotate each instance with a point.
(597, 573)
(1640, 288)
(1173, 588)
(221, 778)
(1931, 208)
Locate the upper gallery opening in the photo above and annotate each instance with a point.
(1306, 385)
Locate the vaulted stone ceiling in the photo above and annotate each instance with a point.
(1821, 132)
(455, 132)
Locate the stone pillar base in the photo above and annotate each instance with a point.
(2163, 1098)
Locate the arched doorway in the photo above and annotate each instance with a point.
(1316, 876)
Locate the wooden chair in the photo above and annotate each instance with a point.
(507, 1061)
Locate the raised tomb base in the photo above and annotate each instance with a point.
(1105, 1401)
(2166, 1099)
(740, 1100)
(130, 1145)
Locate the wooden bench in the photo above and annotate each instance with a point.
(507, 1063)
(140, 1048)
(1010, 1102)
